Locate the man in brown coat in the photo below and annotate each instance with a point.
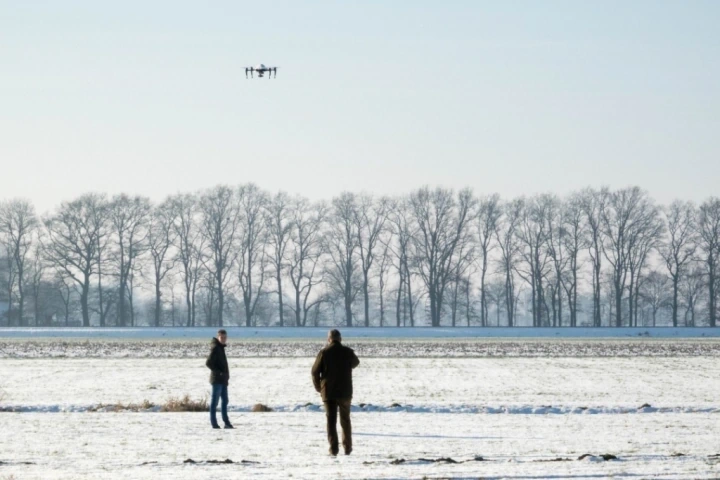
(332, 377)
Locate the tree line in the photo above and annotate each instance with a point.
(435, 257)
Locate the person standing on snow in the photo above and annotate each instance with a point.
(332, 378)
(219, 377)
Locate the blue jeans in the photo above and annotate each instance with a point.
(219, 392)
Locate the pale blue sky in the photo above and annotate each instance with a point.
(509, 97)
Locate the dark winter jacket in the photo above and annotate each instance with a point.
(332, 371)
(217, 363)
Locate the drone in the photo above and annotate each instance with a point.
(261, 70)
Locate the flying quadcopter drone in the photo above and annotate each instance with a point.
(261, 70)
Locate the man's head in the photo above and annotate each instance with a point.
(222, 336)
(334, 336)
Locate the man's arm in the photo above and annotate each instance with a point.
(317, 372)
(210, 362)
(354, 361)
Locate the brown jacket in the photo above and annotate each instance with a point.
(332, 371)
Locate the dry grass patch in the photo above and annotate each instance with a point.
(185, 404)
(120, 407)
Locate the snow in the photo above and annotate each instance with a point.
(453, 385)
(377, 348)
(292, 445)
(526, 417)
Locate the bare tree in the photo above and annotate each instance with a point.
(692, 286)
(559, 258)
(383, 272)
(403, 231)
(507, 239)
(36, 276)
(645, 238)
(279, 225)
(572, 235)
(709, 244)
(66, 290)
(160, 239)
(369, 217)
(593, 204)
(533, 235)
(10, 276)
(306, 249)
(104, 263)
(209, 297)
(623, 224)
(496, 295)
(73, 234)
(189, 243)
(656, 293)
(679, 249)
(463, 261)
(442, 224)
(129, 219)
(488, 216)
(253, 258)
(220, 224)
(18, 223)
(342, 246)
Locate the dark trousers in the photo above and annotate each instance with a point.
(219, 392)
(331, 411)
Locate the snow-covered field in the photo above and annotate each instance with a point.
(526, 417)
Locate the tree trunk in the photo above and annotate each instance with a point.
(189, 307)
(382, 302)
(280, 299)
(711, 288)
(618, 305)
(366, 294)
(454, 303)
(100, 290)
(433, 306)
(248, 296)
(84, 301)
(158, 307)
(398, 301)
(483, 298)
(467, 302)
(411, 307)
(21, 298)
(221, 298)
(348, 312)
(193, 299)
(121, 302)
(509, 297)
(597, 320)
(675, 301)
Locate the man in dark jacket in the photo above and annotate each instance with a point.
(332, 377)
(219, 377)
